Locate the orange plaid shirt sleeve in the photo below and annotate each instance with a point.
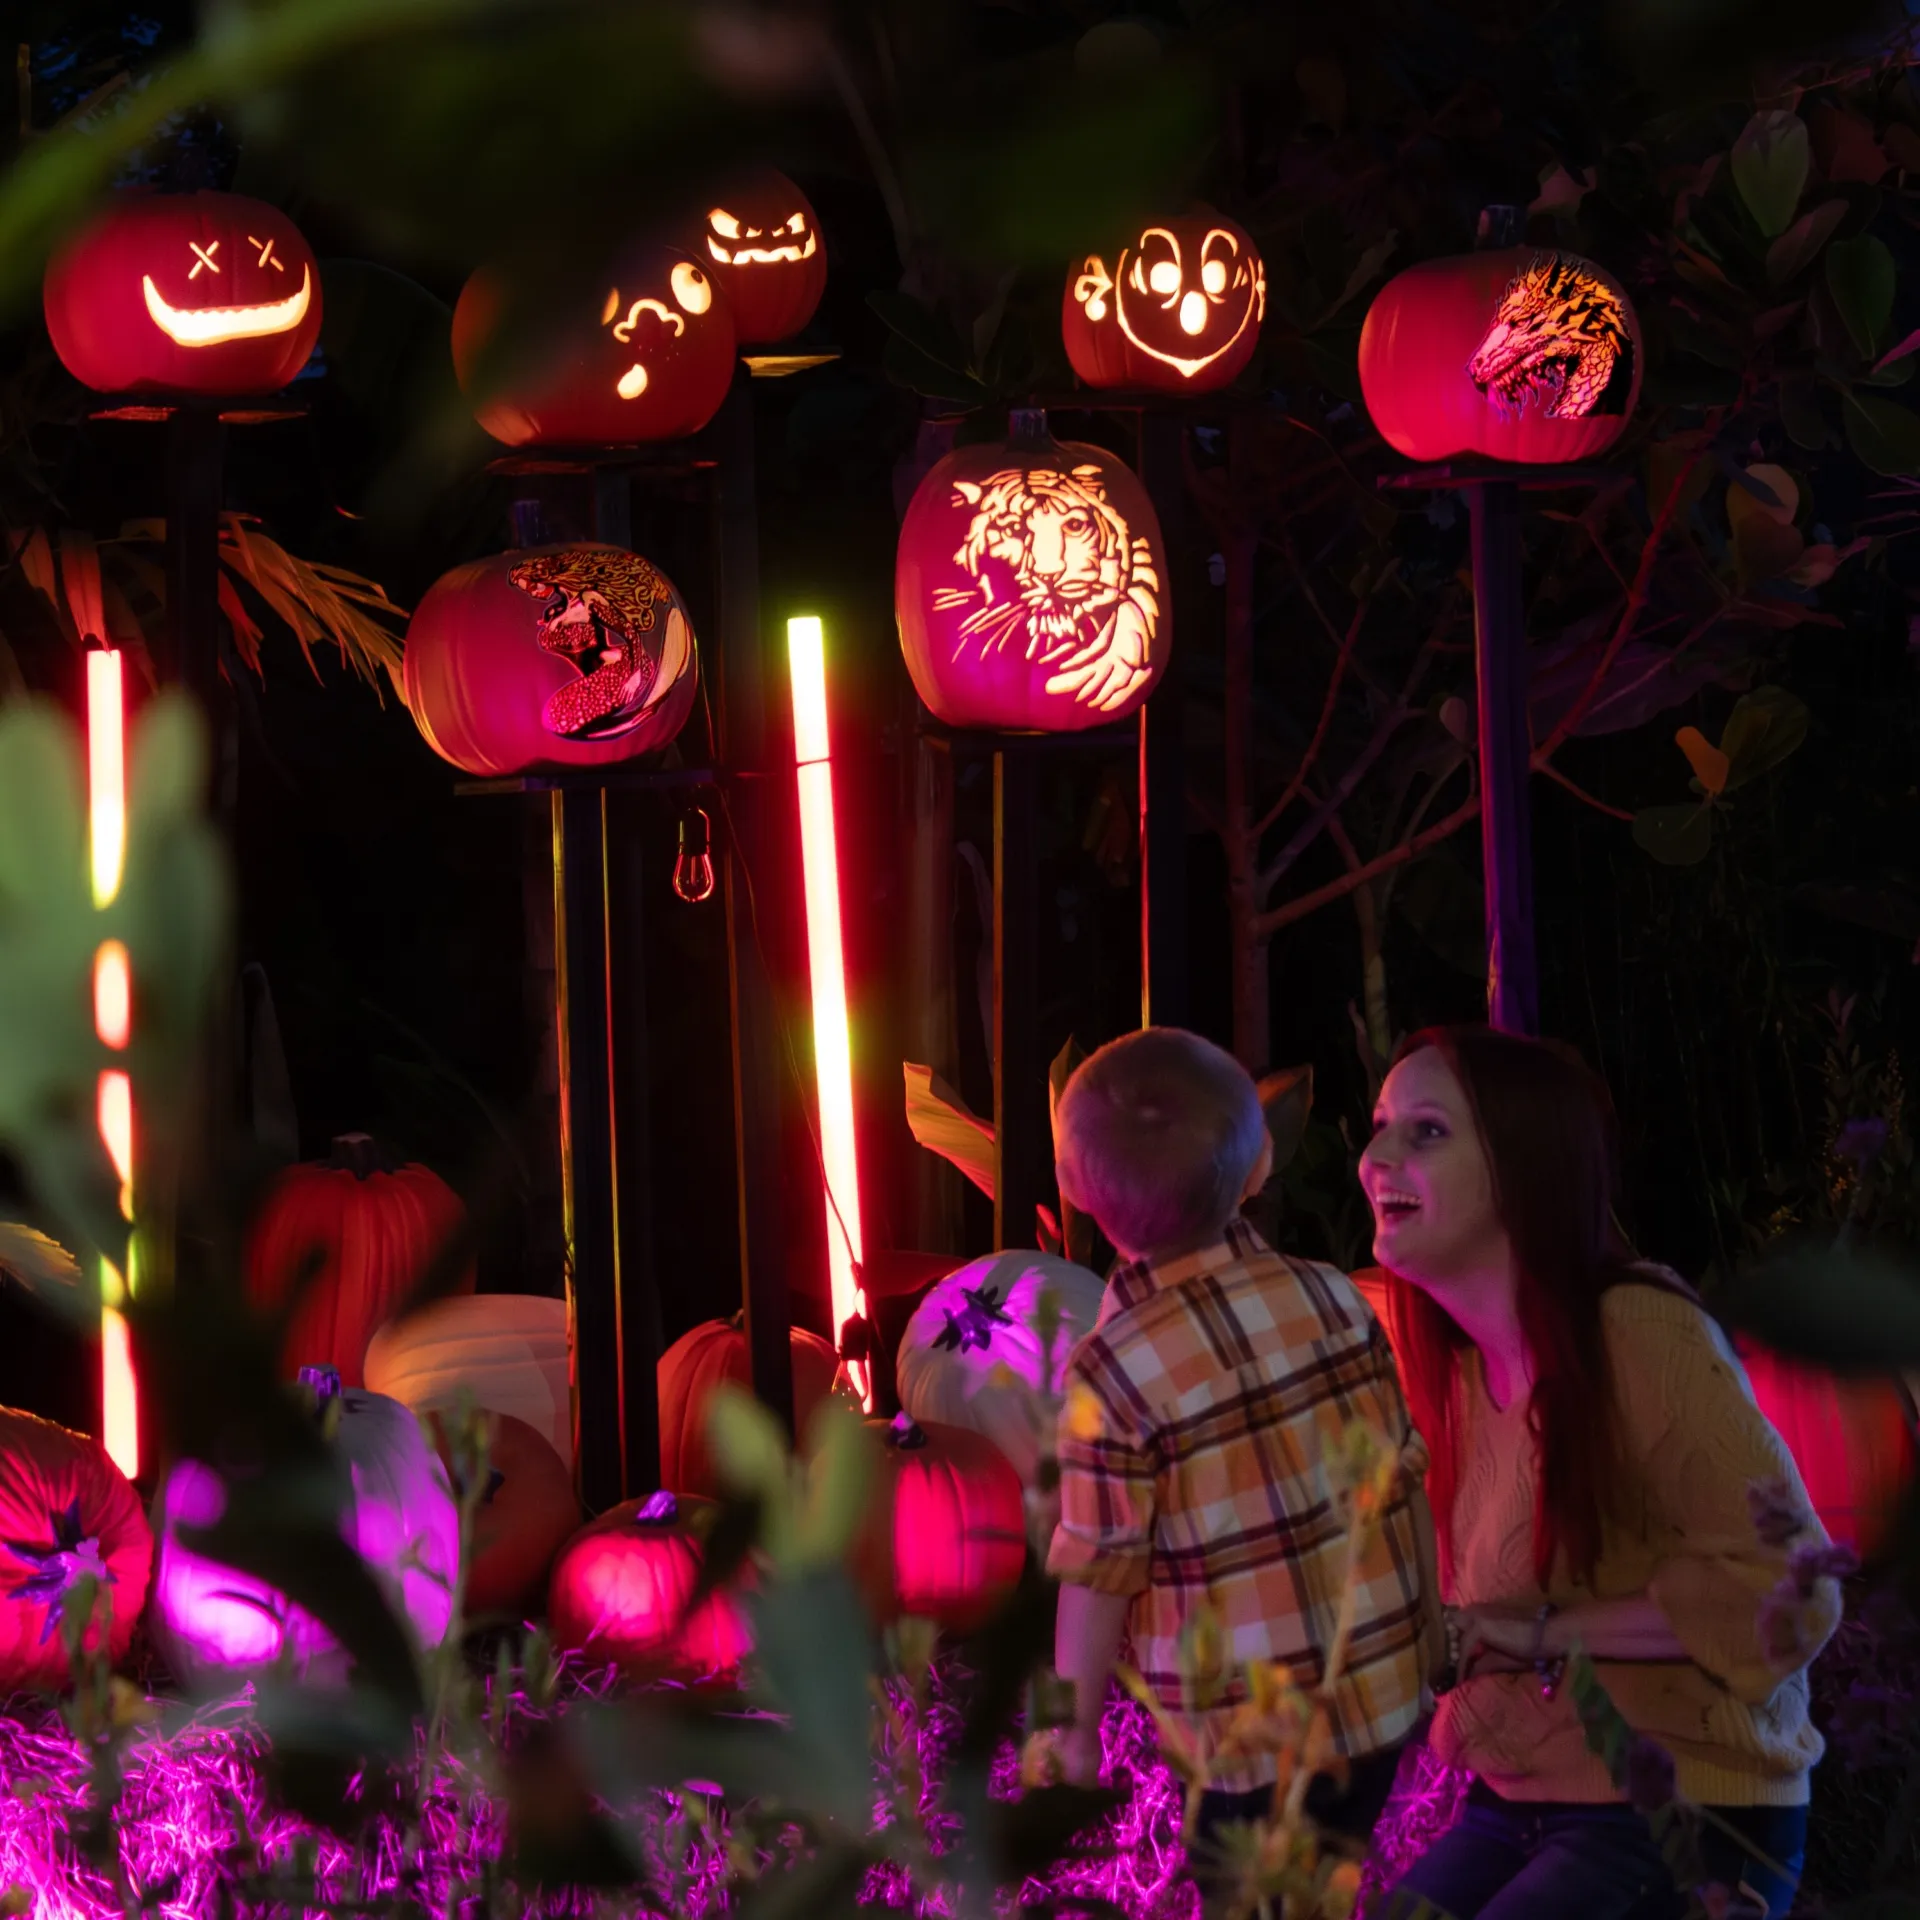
(1195, 1449)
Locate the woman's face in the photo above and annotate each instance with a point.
(1426, 1176)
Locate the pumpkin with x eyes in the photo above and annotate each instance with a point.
(762, 238)
(1176, 310)
(653, 361)
(209, 294)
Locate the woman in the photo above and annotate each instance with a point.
(1594, 1443)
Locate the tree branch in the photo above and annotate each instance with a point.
(1554, 774)
(1292, 790)
(1271, 922)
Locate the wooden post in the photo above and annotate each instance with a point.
(196, 446)
(749, 850)
(1163, 776)
(1506, 751)
(1023, 1134)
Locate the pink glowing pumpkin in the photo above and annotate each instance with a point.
(401, 1520)
(66, 1511)
(574, 656)
(972, 1355)
(1030, 586)
(621, 1590)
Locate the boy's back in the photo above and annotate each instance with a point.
(1223, 1379)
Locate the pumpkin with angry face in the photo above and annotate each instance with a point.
(1176, 310)
(762, 238)
(185, 293)
(654, 365)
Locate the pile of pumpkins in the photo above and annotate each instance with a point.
(945, 1538)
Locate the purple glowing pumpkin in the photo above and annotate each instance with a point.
(401, 1520)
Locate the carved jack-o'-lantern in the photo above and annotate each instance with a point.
(1176, 310)
(185, 293)
(653, 362)
(761, 237)
(1028, 586)
(573, 656)
(1511, 353)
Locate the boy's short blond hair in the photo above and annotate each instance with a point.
(1156, 1136)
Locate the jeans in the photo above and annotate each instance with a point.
(1519, 1860)
(1350, 1812)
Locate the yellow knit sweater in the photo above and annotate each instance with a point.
(1692, 1440)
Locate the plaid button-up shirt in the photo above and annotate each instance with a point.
(1223, 1381)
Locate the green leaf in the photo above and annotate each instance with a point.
(944, 1124)
(1764, 727)
(1770, 162)
(38, 1263)
(927, 330)
(1803, 417)
(1884, 435)
(1860, 277)
(1676, 836)
(1851, 1310)
(1797, 247)
(1076, 1229)
(907, 366)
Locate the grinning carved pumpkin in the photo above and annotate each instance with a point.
(185, 293)
(401, 1520)
(1512, 353)
(508, 1351)
(945, 1537)
(65, 1511)
(972, 1355)
(713, 1353)
(526, 1511)
(376, 1226)
(577, 656)
(761, 237)
(1176, 310)
(1029, 587)
(1853, 1441)
(621, 1588)
(653, 360)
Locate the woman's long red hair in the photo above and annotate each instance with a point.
(1547, 1125)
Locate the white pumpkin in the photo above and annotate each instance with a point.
(510, 1351)
(980, 1320)
(402, 1521)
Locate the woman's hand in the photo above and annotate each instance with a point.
(1496, 1639)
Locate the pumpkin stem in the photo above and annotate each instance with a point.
(658, 1510)
(1027, 427)
(361, 1155)
(1499, 227)
(906, 1433)
(325, 1382)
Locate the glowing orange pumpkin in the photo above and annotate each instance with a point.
(1029, 586)
(654, 365)
(945, 1537)
(711, 1354)
(761, 238)
(185, 293)
(1512, 353)
(621, 1588)
(574, 656)
(1852, 1440)
(1176, 310)
(525, 1515)
(374, 1225)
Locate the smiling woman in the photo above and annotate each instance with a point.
(195, 293)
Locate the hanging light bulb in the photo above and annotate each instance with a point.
(693, 865)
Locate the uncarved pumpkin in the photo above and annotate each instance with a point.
(185, 293)
(1852, 1440)
(760, 238)
(1514, 354)
(375, 1226)
(509, 1351)
(1030, 586)
(401, 1520)
(573, 656)
(971, 1355)
(713, 1353)
(621, 1590)
(945, 1537)
(526, 1513)
(65, 1511)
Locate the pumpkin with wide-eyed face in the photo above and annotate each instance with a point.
(1028, 587)
(652, 361)
(211, 294)
(1176, 310)
(761, 236)
(574, 656)
(1515, 353)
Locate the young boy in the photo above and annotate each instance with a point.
(1221, 1372)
